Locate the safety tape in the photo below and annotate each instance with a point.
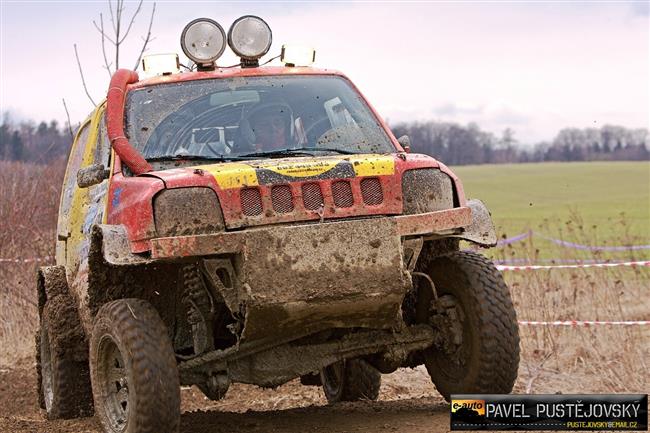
(30, 260)
(585, 323)
(567, 244)
(519, 260)
(585, 265)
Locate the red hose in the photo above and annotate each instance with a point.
(115, 122)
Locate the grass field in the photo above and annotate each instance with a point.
(523, 196)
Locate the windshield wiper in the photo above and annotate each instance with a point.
(296, 151)
(193, 158)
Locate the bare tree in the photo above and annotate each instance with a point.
(116, 38)
(67, 114)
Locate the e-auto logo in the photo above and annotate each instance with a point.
(468, 408)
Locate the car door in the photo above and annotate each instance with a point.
(81, 208)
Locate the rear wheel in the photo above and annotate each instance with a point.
(62, 361)
(474, 312)
(350, 380)
(133, 370)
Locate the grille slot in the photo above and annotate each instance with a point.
(251, 201)
(371, 191)
(282, 199)
(342, 194)
(312, 196)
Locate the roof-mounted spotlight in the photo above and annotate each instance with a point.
(203, 41)
(294, 55)
(250, 38)
(160, 64)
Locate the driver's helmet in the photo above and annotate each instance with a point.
(263, 110)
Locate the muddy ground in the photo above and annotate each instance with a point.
(408, 403)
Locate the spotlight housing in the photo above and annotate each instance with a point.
(250, 38)
(203, 41)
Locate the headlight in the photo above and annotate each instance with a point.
(426, 190)
(187, 211)
(203, 41)
(249, 37)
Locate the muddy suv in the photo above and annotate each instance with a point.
(257, 225)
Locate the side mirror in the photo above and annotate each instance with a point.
(92, 175)
(405, 142)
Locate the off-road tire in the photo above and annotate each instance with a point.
(490, 335)
(350, 380)
(143, 394)
(62, 362)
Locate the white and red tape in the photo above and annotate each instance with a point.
(580, 265)
(29, 260)
(585, 323)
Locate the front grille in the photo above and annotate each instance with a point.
(251, 201)
(312, 197)
(342, 194)
(282, 199)
(371, 191)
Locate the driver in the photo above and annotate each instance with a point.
(271, 126)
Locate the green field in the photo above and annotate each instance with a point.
(610, 200)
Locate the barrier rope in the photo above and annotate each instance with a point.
(584, 265)
(585, 323)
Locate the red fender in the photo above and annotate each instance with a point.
(115, 122)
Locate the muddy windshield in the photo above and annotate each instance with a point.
(252, 117)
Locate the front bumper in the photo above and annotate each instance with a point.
(431, 223)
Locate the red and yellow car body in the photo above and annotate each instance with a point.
(340, 262)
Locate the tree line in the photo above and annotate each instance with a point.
(451, 143)
(455, 144)
(28, 141)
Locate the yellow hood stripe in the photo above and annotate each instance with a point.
(232, 175)
(238, 175)
(373, 165)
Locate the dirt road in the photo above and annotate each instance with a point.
(408, 403)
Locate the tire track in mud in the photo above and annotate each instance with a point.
(291, 408)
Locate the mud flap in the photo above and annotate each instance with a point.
(481, 230)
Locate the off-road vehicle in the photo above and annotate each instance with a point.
(258, 224)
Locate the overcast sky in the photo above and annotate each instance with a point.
(533, 66)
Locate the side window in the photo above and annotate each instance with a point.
(102, 153)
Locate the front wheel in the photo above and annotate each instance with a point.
(350, 380)
(474, 312)
(133, 370)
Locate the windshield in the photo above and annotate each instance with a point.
(237, 118)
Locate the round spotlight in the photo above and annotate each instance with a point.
(203, 41)
(250, 37)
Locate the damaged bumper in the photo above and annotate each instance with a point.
(432, 223)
